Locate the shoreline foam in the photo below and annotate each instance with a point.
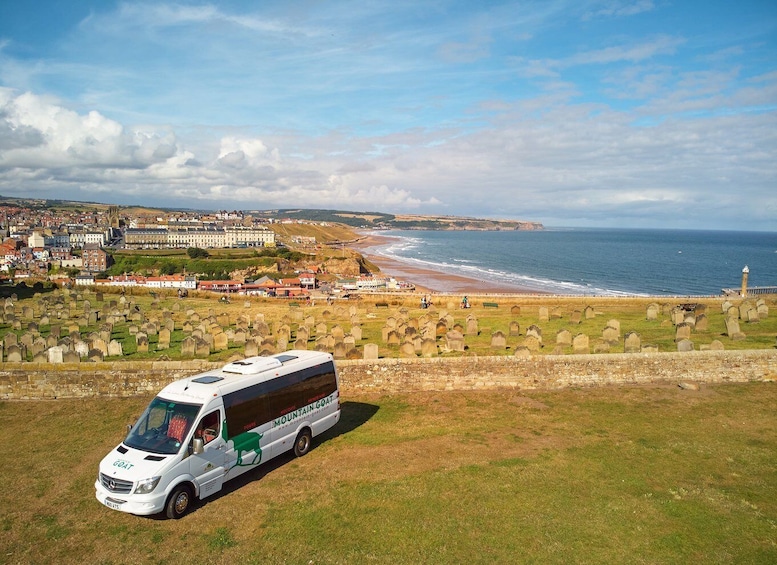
(429, 280)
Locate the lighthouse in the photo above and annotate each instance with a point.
(745, 272)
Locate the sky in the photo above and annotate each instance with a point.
(593, 113)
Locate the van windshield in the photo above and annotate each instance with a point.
(163, 427)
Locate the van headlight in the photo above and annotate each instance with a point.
(147, 485)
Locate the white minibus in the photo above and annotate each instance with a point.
(207, 429)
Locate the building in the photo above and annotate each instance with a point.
(201, 237)
(94, 258)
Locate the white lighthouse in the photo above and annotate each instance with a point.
(745, 272)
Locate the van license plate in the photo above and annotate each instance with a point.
(113, 505)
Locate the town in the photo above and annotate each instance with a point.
(74, 245)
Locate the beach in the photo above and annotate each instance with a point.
(428, 280)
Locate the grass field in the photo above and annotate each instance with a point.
(609, 475)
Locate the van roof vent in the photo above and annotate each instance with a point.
(252, 365)
(207, 379)
(285, 358)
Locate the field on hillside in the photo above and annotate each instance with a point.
(611, 475)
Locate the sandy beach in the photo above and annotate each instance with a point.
(429, 280)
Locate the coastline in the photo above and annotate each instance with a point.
(428, 280)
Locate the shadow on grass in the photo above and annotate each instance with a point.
(352, 415)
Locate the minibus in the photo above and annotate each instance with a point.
(202, 431)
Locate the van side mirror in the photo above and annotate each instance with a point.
(198, 446)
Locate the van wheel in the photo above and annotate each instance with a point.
(179, 502)
(302, 443)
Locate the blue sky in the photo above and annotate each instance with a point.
(613, 113)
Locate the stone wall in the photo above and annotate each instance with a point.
(19, 381)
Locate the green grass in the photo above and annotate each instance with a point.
(610, 475)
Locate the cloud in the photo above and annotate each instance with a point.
(620, 8)
(633, 53)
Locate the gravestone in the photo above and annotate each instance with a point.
(370, 351)
(356, 332)
(498, 340)
(678, 316)
(71, 357)
(55, 354)
(564, 338)
(472, 325)
(684, 345)
(454, 341)
(189, 346)
(534, 331)
(733, 331)
(95, 356)
(300, 343)
(557, 313)
(115, 349)
(393, 338)
(515, 310)
(514, 329)
(14, 353)
(531, 343)
(428, 347)
(632, 343)
(142, 342)
(339, 350)
(610, 335)
(251, 348)
(580, 344)
(338, 332)
(522, 351)
(576, 317)
(38, 346)
(543, 314)
(100, 344)
(81, 348)
(701, 324)
(589, 313)
(683, 331)
(407, 350)
(601, 346)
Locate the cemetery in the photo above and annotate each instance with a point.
(88, 325)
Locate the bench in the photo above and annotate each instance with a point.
(490, 305)
(293, 304)
(381, 305)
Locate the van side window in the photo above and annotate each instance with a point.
(209, 427)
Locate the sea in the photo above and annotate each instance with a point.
(592, 261)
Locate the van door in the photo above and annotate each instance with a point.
(209, 466)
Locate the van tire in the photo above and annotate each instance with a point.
(303, 442)
(179, 502)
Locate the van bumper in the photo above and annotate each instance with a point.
(142, 505)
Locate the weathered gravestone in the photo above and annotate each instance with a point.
(632, 343)
(498, 340)
(564, 338)
(370, 351)
(580, 344)
(428, 347)
(684, 345)
(454, 341)
(682, 331)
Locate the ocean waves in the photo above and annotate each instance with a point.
(590, 262)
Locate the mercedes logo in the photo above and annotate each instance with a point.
(112, 484)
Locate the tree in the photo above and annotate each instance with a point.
(197, 253)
